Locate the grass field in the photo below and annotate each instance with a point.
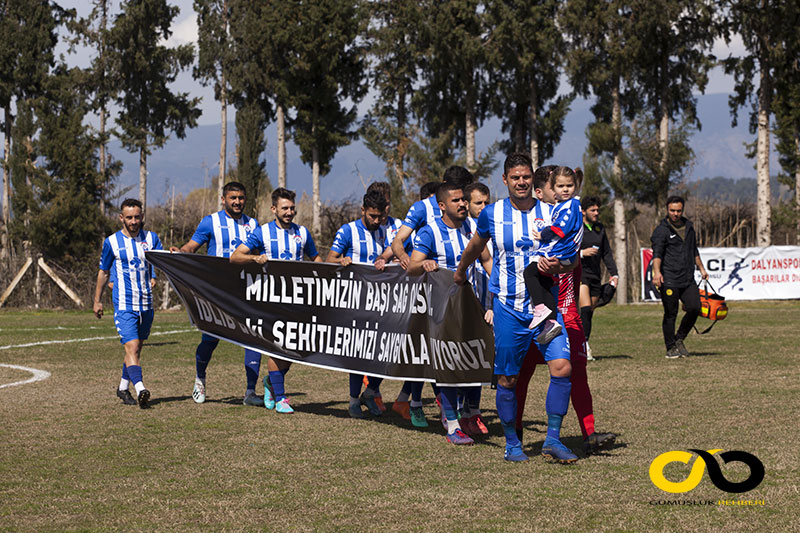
(72, 457)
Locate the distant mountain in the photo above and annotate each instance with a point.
(190, 163)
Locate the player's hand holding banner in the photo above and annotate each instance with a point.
(353, 319)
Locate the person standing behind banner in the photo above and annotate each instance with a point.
(281, 239)
(595, 249)
(508, 223)
(223, 231)
(440, 245)
(132, 294)
(362, 241)
(675, 255)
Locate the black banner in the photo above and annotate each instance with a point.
(355, 318)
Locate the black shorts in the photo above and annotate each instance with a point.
(594, 284)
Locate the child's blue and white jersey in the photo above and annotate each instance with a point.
(480, 278)
(392, 226)
(443, 244)
(356, 241)
(423, 212)
(514, 248)
(567, 224)
(132, 274)
(223, 233)
(278, 243)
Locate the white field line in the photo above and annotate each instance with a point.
(38, 375)
(88, 339)
(63, 328)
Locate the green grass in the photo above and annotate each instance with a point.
(73, 458)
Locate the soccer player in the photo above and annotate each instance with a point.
(437, 246)
(132, 294)
(561, 239)
(223, 231)
(509, 223)
(281, 239)
(362, 241)
(595, 249)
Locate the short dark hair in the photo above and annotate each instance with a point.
(233, 186)
(131, 202)
(282, 192)
(675, 199)
(589, 201)
(375, 200)
(442, 192)
(517, 159)
(458, 175)
(382, 187)
(477, 186)
(428, 189)
(541, 175)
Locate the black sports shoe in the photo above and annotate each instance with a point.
(126, 397)
(681, 348)
(598, 441)
(673, 353)
(144, 398)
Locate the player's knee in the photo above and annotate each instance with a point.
(508, 382)
(560, 368)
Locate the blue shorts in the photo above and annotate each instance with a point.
(512, 338)
(132, 325)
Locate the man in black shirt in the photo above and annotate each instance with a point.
(595, 250)
(674, 258)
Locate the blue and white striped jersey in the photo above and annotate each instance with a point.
(132, 274)
(567, 224)
(444, 244)
(392, 226)
(356, 241)
(223, 233)
(423, 212)
(480, 278)
(514, 248)
(279, 243)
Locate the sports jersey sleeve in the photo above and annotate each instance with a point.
(107, 256)
(310, 249)
(255, 240)
(484, 223)
(416, 216)
(343, 240)
(424, 242)
(204, 230)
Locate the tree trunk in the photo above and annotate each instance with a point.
(143, 178)
(6, 183)
(400, 145)
(620, 224)
(281, 124)
(534, 110)
(470, 131)
(797, 189)
(763, 214)
(315, 210)
(663, 145)
(103, 177)
(223, 144)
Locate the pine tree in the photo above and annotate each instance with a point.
(526, 55)
(149, 110)
(250, 123)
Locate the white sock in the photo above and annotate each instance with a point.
(416, 403)
(139, 387)
(402, 397)
(124, 384)
(452, 425)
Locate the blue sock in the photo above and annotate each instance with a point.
(556, 405)
(416, 390)
(276, 381)
(408, 387)
(460, 400)
(473, 398)
(436, 389)
(507, 412)
(355, 385)
(374, 383)
(125, 372)
(252, 364)
(135, 372)
(448, 396)
(203, 354)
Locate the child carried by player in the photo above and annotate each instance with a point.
(562, 240)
